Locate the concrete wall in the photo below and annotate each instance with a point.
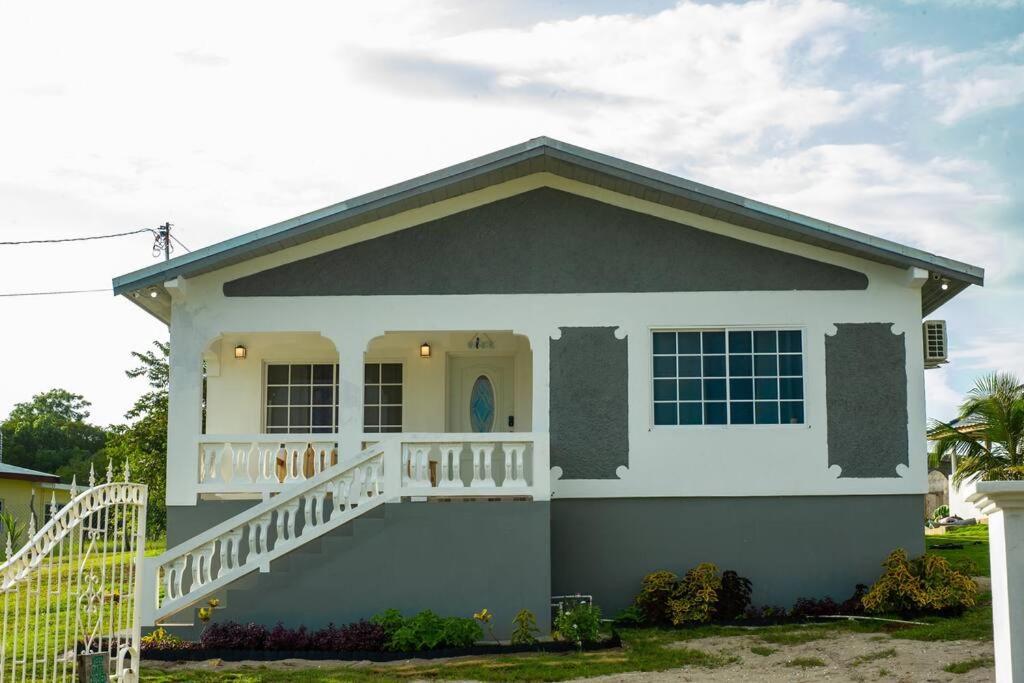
(452, 558)
(790, 547)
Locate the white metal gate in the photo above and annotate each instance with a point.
(70, 594)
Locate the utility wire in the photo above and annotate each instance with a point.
(66, 291)
(179, 243)
(78, 239)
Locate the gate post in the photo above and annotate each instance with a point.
(1003, 502)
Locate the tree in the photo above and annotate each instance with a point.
(50, 433)
(987, 437)
(143, 442)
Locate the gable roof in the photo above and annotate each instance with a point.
(548, 155)
(15, 472)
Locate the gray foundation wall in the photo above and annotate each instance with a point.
(790, 547)
(453, 558)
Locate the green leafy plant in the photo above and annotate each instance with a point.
(695, 599)
(630, 617)
(524, 628)
(580, 624)
(940, 512)
(390, 620)
(485, 617)
(656, 589)
(925, 584)
(428, 631)
(13, 528)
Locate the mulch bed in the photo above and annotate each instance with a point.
(196, 654)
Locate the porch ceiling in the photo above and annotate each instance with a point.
(547, 155)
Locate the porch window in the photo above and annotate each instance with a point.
(382, 397)
(301, 398)
(728, 376)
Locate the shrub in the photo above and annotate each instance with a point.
(362, 636)
(812, 607)
(734, 596)
(427, 631)
(283, 638)
(926, 584)
(656, 590)
(855, 603)
(940, 512)
(159, 639)
(631, 616)
(579, 624)
(230, 635)
(524, 626)
(390, 620)
(764, 612)
(696, 596)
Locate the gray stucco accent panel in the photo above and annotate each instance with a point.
(546, 241)
(790, 547)
(589, 403)
(866, 399)
(452, 558)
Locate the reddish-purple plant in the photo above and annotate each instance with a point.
(230, 635)
(282, 638)
(362, 636)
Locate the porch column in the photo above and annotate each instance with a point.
(184, 409)
(351, 346)
(1003, 502)
(540, 345)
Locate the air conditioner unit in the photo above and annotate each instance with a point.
(936, 348)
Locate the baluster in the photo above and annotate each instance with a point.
(253, 463)
(451, 477)
(344, 489)
(482, 461)
(236, 542)
(308, 464)
(378, 476)
(227, 463)
(281, 464)
(515, 471)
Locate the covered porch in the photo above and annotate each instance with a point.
(454, 407)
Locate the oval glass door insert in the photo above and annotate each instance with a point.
(481, 405)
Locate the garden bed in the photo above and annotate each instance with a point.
(193, 654)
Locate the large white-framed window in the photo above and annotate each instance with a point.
(727, 376)
(382, 397)
(301, 398)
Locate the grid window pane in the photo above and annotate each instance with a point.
(664, 342)
(741, 366)
(665, 390)
(665, 413)
(689, 342)
(301, 397)
(689, 390)
(690, 414)
(382, 397)
(728, 377)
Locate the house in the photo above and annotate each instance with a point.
(27, 494)
(544, 371)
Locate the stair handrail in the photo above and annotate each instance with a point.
(287, 494)
(198, 553)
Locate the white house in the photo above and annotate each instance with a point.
(539, 372)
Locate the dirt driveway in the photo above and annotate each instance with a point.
(841, 657)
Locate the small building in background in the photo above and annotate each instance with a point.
(26, 493)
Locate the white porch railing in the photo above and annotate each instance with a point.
(261, 463)
(398, 466)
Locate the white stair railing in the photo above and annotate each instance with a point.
(194, 570)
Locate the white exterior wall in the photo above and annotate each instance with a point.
(664, 461)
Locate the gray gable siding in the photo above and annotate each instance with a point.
(546, 241)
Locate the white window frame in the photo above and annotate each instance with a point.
(726, 329)
(379, 405)
(266, 394)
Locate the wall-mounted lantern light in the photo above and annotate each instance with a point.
(945, 284)
(240, 352)
(424, 350)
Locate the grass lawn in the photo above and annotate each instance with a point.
(974, 547)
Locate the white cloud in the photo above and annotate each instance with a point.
(968, 82)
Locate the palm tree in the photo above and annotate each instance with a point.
(987, 437)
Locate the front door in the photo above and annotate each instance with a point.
(481, 394)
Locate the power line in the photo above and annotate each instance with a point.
(179, 243)
(78, 239)
(66, 291)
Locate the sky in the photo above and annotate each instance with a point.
(899, 118)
